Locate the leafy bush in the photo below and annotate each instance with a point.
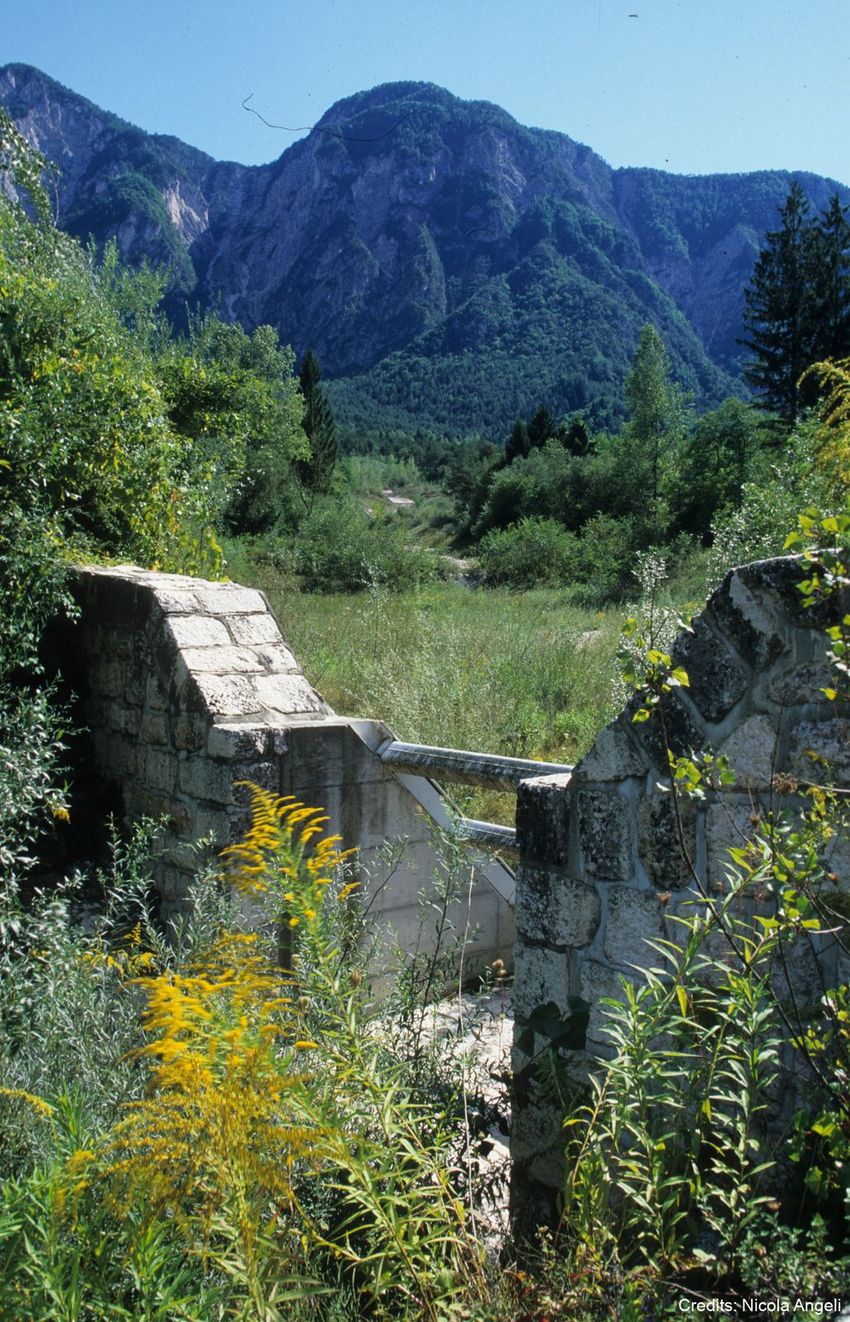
(339, 549)
(246, 1089)
(608, 547)
(533, 552)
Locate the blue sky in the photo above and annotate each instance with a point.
(692, 86)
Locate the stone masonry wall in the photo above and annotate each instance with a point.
(189, 688)
(601, 871)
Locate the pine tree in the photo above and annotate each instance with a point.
(830, 283)
(542, 428)
(518, 443)
(797, 305)
(575, 437)
(318, 426)
(778, 312)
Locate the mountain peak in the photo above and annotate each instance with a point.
(404, 98)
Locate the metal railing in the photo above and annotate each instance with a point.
(466, 768)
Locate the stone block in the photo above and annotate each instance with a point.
(277, 658)
(172, 911)
(124, 719)
(659, 842)
(180, 818)
(605, 835)
(537, 1130)
(188, 856)
(156, 699)
(117, 644)
(820, 751)
(802, 684)
(751, 752)
(251, 629)
(239, 741)
(779, 579)
(98, 713)
(600, 982)
(555, 909)
(288, 695)
(154, 728)
(189, 732)
(263, 773)
(633, 919)
(141, 801)
(161, 770)
(211, 822)
(677, 732)
(107, 678)
(227, 695)
(120, 755)
(171, 883)
(717, 681)
(134, 686)
(612, 757)
(540, 975)
(228, 599)
(746, 621)
(194, 631)
(204, 779)
(176, 602)
(542, 818)
(729, 824)
(227, 660)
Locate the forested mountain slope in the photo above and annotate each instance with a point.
(450, 267)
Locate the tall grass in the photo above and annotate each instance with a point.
(522, 674)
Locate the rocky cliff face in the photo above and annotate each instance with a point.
(413, 237)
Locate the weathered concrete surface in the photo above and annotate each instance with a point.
(190, 688)
(607, 860)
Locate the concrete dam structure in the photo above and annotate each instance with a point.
(188, 688)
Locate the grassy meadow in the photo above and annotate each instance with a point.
(524, 674)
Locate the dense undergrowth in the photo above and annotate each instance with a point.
(195, 1130)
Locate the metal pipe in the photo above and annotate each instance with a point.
(459, 765)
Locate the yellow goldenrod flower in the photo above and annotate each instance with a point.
(37, 1103)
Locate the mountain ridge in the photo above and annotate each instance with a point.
(450, 266)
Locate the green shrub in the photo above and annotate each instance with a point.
(339, 549)
(533, 552)
(608, 548)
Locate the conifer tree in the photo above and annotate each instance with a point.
(655, 408)
(830, 283)
(518, 443)
(575, 437)
(318, 426)
(542, 428)
(797, 305)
